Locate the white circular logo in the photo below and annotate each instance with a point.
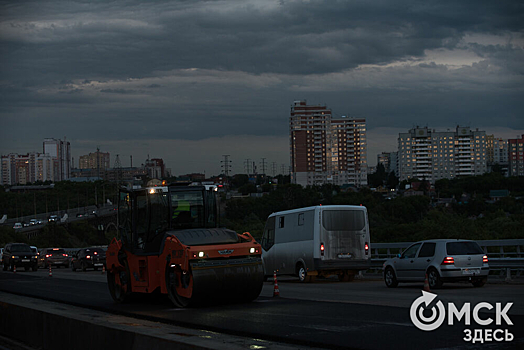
(422, 322)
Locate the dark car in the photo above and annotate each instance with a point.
(88, 258)
(19, 255)
(53, 257)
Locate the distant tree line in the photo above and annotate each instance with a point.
(391, 219)
(403, 218)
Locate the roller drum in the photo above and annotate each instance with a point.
(227, 279)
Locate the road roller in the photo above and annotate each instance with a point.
(170, 241)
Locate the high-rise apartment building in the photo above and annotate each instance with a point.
(96, 160)
(516, 156)
(326, 149)
(52, 165)
(155, 168)
(389, 161)
(28, 168)
(60, 151)
(497, 152)
(426, 154)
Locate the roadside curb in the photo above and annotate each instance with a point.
(45, 324)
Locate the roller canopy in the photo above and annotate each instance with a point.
(206, 236)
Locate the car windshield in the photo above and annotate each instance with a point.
(187, 209)
(463, 248)
(56, 251)
(20, 248)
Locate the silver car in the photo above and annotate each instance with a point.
(442, 260)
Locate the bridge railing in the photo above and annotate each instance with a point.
(505, 255)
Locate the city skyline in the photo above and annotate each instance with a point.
(215, 78)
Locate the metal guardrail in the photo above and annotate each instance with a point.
(505, 254)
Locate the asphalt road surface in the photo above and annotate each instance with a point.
(361, 314)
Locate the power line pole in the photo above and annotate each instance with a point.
(246, 166)
(98, 162)
(264, 166)
(283, 169)
(274, 168)
(117, 168)
(226, 165)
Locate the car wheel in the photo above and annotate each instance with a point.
(83, 265)
(479, 283)
(96, 268)
(302, 273)
(73, 268)
(434, 279)
(35, 267)
(5, 267)
(390, 278)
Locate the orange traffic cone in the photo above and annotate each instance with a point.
(426, 284)
(103, 269)
(50, 271)
(276, 292)
(14, 268)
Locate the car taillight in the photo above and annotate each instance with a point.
(47, 255)
(485, 259)
(448, 260)
(366, 248)
(322, 249)
(88, 256)
(64, 254)
(95, 253)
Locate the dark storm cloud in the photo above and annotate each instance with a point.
(137, 39)
(198, 69)
(119, 91)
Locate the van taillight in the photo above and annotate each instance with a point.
(366, 248)
(448, 260)
(322, 249)
(485, 259)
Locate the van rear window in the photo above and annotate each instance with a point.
(343, 220)
(463, 248)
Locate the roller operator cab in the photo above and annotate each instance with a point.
(317, 241)
(171, 242)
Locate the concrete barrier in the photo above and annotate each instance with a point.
(49, 325)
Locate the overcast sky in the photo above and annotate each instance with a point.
(190, 81)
